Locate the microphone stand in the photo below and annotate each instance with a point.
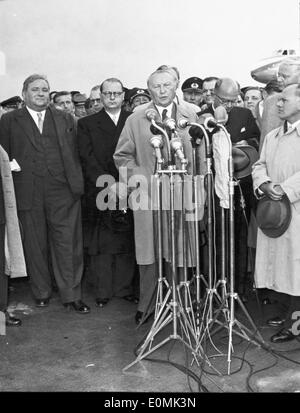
(173, 310)
(207, 313)
(243, 331)
(157, 177)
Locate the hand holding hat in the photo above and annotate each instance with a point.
(273, 191)
(273, 216)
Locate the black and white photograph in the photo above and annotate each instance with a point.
(150, 199)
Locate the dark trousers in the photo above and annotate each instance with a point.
(53, 225)
(287, 305)
(3, 277)
(112, 274)
(242, 209)
(148, 280)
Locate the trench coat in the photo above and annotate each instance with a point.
(277, 264)
(137, 157)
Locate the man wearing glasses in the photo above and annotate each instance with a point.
(243, 130)
(111, 249)
(241, 124)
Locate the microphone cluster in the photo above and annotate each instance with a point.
(167, 130)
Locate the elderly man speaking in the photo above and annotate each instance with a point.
(276, 175)
(135, 153)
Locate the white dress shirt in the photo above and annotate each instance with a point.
(114, 116)
(34, 115)
(169, 110)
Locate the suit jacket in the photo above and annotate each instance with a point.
(241, 125)
(97, 139)
(17, 139)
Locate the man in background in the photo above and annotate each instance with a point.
(192, 90)
(111, 247)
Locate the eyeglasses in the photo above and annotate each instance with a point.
(226, 101)
(111, 94)
(95, 100)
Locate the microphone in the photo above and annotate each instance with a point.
(157, 143)
(210, 123)
(196, 134)
(221, 115)
(152, 115)
(221, 118)
(170, 124)
(183, 123)
(176, 145)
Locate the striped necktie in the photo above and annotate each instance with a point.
(40, 122)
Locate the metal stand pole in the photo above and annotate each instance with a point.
(171, 309)
(242, 331)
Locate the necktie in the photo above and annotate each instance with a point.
(40, 122)
(164, 114)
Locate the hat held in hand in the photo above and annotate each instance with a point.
(244, 156)
(273, 217)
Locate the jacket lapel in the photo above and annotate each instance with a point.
(122, 119)
(59, 123)
(26, 122)
(105, 123)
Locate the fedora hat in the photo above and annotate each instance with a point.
(273, 217)
(244, 156)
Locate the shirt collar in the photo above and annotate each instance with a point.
(114, 116)
(34, 113)
(169, 109)
(291, 127)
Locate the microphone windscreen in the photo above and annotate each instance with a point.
(151, 114)
(170, 123)
(221, 115)
(182, 123)
(195, 132)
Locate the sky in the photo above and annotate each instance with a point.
(79, 43)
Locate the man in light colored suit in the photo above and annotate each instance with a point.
(135, 153)
(288, 74)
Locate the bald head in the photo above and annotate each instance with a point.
(227, 88)
(226, 92)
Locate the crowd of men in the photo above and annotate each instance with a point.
(61, 143)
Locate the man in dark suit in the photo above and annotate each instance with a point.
(48, 187)
(243, 130)
(112, 259)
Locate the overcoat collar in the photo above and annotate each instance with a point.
(106, 124)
